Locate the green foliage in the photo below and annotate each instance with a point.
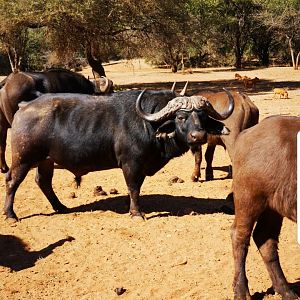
(282, 18)
(35, 49)
(173, 32)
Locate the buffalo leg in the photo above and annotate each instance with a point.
(43, 178)
(240, 236)
(266, 235)
(14, 178)
(134, 195)
(3, 136)
(209, 155)
(134, 181)
(134, 208)
(197, 168)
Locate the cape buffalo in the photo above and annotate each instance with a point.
(138, 132)
(245, 115)
(26, 86)
(264, 191)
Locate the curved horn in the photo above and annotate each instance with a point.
(187, 103)
(221, 116)
(103, 89)
(173, 87)
(182, 93)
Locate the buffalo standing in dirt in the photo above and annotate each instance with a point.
(264, 191)
(85, 133)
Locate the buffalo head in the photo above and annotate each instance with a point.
(188, 118)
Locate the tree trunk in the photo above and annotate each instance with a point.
(263, 54)
(96, 64)
(182, 63)
(174, 67)
(297, 61)
(238, 50)
(265, 58)
(293, 58)
(238, 57)
(14, 59)
(295, 66)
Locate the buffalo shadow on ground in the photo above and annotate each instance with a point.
(295, 286)
(262, 87)
(160, 204)
(15, 254)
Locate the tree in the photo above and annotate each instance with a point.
(283, 18)
(261, 42)
(167, 24)
(13, 34)
(165, 31)
(227, 26)
(103, 27)
(235, 23)
(69, 25)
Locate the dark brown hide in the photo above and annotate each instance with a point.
(264, 191)
(84, 133)
(26, 86)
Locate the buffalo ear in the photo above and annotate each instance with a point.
(216, 127)
(166, 130)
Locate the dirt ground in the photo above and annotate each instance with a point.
(182, 251)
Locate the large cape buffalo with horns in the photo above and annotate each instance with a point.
(138, 132)
(26, 86)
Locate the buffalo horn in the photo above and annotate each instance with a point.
(182, 93)
(104, 88)
(186, 103)
(221, 116)
(173, 87)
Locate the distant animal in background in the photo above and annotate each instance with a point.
(247, 81)
(238, 76)
(250, 82)
(283, 93)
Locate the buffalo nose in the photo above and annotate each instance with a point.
(197, 137)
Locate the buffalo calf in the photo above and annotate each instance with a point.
(264, 191)
(245, 115)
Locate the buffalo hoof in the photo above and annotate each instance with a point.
(11, 221)
(209, 177)
(246, 297)
(242, 293)
(138, 218)
(11, 218)
(195, 178)
(136, 215)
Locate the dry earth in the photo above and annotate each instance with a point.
(183, 250)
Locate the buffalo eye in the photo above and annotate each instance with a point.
(181, 117)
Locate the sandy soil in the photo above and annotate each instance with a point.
(182, 251)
